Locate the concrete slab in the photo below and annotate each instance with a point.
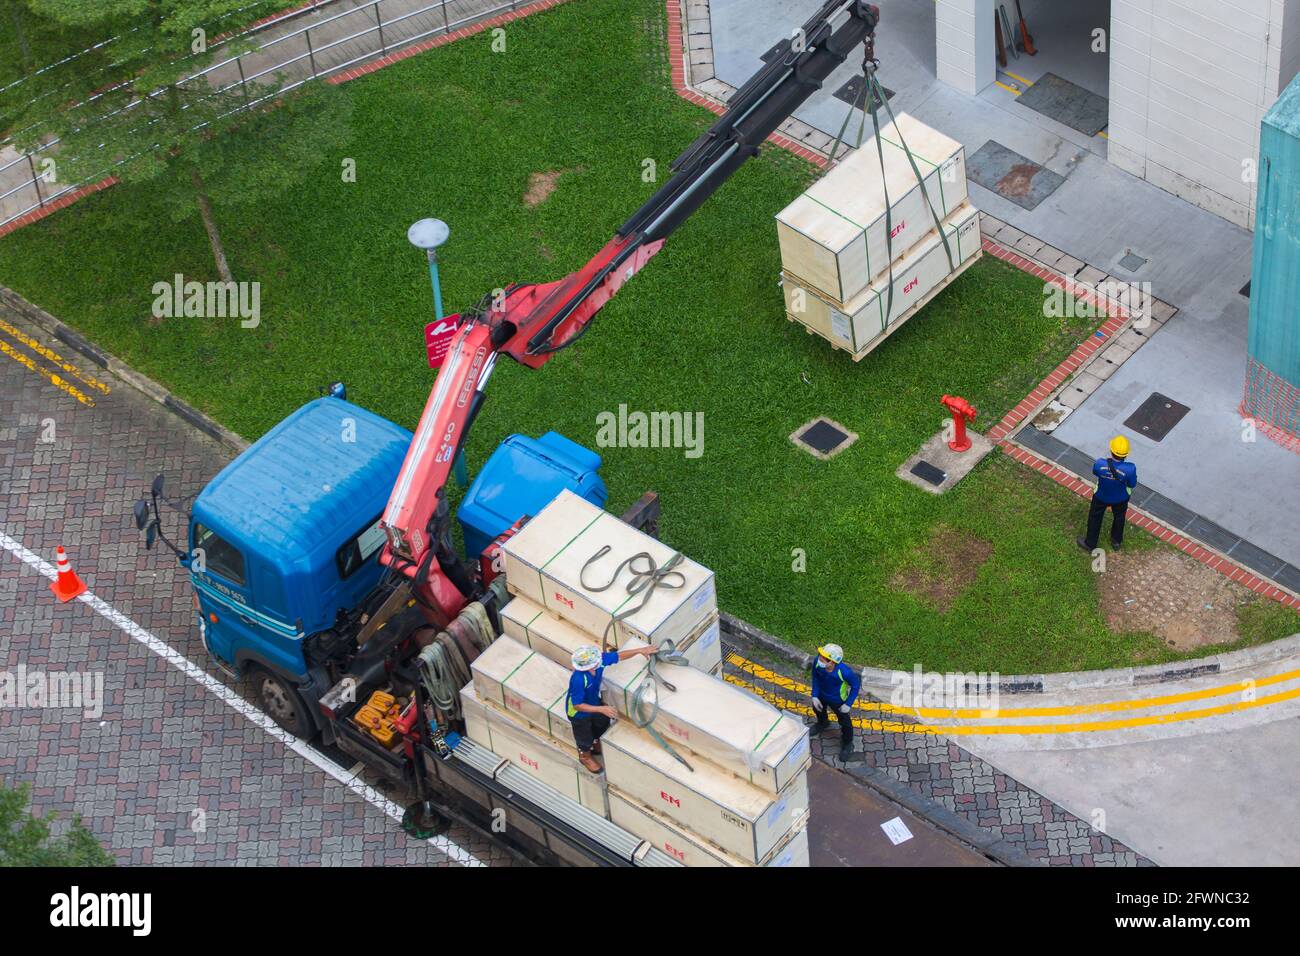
(955, 464)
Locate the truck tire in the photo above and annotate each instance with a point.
(281, 701)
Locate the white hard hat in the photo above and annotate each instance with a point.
(832, 652)
(586, 658)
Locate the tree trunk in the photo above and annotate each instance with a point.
(210, 225)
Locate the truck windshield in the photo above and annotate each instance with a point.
(219, 555)
(359, 548)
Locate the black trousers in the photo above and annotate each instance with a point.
(587, 730)
(1096, 513)
(824, 721)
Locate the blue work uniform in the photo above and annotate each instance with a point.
(834, 688)
(1116, 480)
(584, 688)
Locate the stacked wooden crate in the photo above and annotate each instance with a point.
(745, 800)
(841, 241)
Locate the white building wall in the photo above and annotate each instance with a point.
(1190, 81)
(964, 47)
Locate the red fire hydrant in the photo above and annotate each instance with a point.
(962, 411)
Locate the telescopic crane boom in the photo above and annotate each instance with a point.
(531, 322)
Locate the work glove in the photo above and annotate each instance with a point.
(845, 708)
(818, 705)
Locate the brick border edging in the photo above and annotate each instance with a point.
(70, 337)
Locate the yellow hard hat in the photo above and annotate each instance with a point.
(1119, 446)
(832, 652)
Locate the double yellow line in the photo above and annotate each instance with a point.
(1239, 688)
(72, 379)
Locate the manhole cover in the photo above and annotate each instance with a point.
(851, 92)
(1132, 262)
(927, 472)
(1156, 417)
(823, 437)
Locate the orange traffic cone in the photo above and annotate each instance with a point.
(68, 585)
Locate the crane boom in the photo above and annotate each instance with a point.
(532, 322)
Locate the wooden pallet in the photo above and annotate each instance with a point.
(902, 318)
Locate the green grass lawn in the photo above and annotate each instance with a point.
(456, 133)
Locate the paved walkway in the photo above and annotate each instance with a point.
(172, 771)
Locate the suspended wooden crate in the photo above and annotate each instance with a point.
(742, 819)
(544, 563)
(834, 237)
(546, 759)
(691, 849)
(557, 639)
(718, 722)
(867, 320)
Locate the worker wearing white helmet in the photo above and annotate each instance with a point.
(835, 687)
(591, 718)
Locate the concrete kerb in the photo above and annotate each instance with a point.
(17, 305)
(880, 680)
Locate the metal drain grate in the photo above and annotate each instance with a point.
(1156, 417)
(927, 472)
(1132, 262)
(823, 437)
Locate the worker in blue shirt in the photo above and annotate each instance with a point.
(589, 717)
(1116, 479)
(835, 687)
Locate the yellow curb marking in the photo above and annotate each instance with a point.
(1017, 76)
(976, 730)
(56, 380)
(53, 356)
(1008, 88)
(1061, 711)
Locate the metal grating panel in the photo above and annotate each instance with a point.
(575, 815)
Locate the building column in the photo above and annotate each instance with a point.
(964, 45)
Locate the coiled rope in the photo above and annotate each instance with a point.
(646, 578)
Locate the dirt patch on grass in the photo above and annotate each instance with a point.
(541, 185)
(1171, 595)
(950, 563)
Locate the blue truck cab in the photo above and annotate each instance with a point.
(284, 542)
(288, 533)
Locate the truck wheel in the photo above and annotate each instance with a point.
(282, 702)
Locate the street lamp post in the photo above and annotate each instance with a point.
(429, 234)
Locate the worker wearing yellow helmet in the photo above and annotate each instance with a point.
(1116, 479)
(835, 687)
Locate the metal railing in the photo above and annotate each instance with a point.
(378, 36)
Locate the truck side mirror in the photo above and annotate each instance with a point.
(141, 515)
(157, 486)
(151, 536)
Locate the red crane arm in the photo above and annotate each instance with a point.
(532, 322)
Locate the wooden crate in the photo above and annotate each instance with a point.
(525, 683)
(691, 849)
(544, 563)
(539, 756)
(834, 237)
(862, 324)
(557, 639)
(718, 722)
(740, 818)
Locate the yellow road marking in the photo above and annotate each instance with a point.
(1003, 712)
(1028, 730)
(1008, 88)
(53, 356)
(56, 380)
(1017, 76)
